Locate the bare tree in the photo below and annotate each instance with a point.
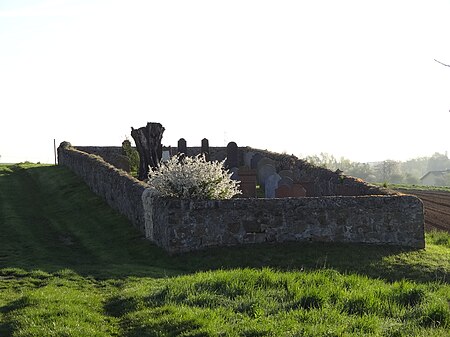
(388, 169)
(148, 144)
(447, 65)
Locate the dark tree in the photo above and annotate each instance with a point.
(148, 144)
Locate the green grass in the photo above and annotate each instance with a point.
(415, 187)
(71, 266)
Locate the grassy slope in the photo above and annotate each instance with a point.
(70, 266)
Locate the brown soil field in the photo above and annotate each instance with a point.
(436, 206)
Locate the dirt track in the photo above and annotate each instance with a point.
(436, 206)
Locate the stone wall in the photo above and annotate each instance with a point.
(114, 154)
(121, 191)
(111, 154)
(183, 225)
(319, 181)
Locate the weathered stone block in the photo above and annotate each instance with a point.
(249, 238)
(234, 227)
(248, 182)
(251, 226)
(260, 238)
(289, 191)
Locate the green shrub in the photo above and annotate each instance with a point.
(132, 155)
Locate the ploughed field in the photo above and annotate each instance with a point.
(436, 207)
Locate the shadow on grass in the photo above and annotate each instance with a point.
(7, 327)
(362, 259)
(353, 258)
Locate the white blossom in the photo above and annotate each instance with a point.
(193, 178)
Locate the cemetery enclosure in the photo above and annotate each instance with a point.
(336, 208)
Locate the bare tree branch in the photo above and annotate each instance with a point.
(447, 65)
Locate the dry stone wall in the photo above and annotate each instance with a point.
(111, 154)
(184, 225)
(121, 191)
(372, 215)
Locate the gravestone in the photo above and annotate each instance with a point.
(205, 148)
(248, 158)
(300, 175)
(235, 171)
(265, 161)
(283, 191)
(286, 173)
(285, 181)
(165, 155)
(232, 155)
(298, 190)
(182, 146)
(297, 175)
(264, 172)
(310, 188)
(271, 185)
(248, 182)
(294, 191)
(254, 161)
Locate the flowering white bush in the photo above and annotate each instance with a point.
(193, 178)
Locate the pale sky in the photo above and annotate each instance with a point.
(351, 78)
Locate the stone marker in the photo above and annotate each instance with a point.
(286, 173)
(271, 185)
(265, 161)
(264, 172)
(205, 148)
(248, 158)
(297, 174)
(235, 172)
(165, 155)
(232, 155)
(298, 190)
(284, 191)
(255, 159)
(182, 146)
(286, 181)
(309, 186)
(248, 183)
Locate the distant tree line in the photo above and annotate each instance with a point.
(387, 171)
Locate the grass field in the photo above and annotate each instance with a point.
(415, 187)
(71, 266)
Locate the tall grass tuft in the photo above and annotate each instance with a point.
(250, 302)
(440, 238)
